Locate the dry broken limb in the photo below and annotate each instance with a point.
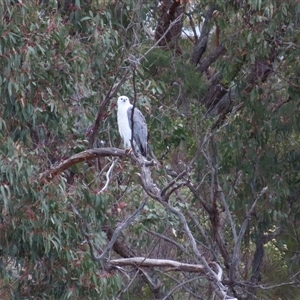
(151, 262)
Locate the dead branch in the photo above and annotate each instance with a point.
(151, 262)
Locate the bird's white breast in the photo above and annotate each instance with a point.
(123, 125)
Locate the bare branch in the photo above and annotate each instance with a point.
(290, 283)
(164, 35)
(108, 176)
(192, 24)
(196, 296)
(199, 198)
(171, 183)
(180, 285)
(80, 157)
(227, 210)
(151, 262)
(128, 285)
(216, 216)
(220, 288)
(202, 231)
(170, 10)
(132, 112)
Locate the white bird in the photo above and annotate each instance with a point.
(140, 130)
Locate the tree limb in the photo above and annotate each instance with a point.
(80, 157)
(204, 65)
(201, 43)
(108, 174)
(151, 262)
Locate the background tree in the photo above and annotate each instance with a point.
(216, 217)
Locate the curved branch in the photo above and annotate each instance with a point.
(108, 176)
(80, 157)
(171, 183)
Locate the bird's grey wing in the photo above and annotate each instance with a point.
(140, 130)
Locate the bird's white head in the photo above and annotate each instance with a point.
(123, 101)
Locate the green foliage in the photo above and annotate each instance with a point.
(57, 66)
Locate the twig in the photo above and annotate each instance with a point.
(167, 239)
(128, 285)
(180, 285)
(172, 182)
(163, 36)
(227, 210)
(199, 198)
(202, 231)
(192, 24)
(196, 296)
(175, 187)
(108, 176)
(271, 286)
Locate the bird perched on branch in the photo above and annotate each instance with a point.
(132, 125)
